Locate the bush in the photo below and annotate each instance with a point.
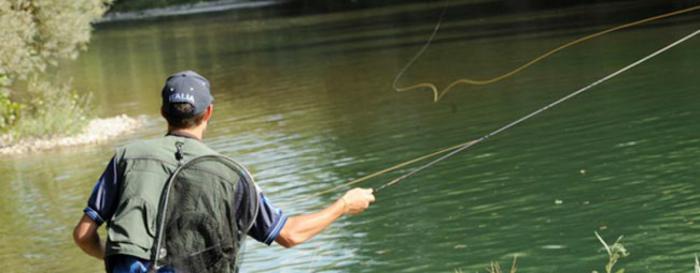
(54, 109)
(9, 111)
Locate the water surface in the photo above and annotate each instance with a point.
(306, 102)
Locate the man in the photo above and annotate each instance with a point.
(126, 195)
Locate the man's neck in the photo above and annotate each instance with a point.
(195, 132)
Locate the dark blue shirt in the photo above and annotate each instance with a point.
(105, 197)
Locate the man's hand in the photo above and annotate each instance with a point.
(300, 228)
(357, 200)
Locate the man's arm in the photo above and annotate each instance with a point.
(86, 237)
(100, 206)
(299, 229)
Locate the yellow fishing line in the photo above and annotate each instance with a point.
(437, 94)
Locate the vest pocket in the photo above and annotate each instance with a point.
(133, 224)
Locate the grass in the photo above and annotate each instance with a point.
(495, 267)
(9, 111)
(50, 109)
(615, 251)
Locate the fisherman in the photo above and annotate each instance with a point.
(126, 196)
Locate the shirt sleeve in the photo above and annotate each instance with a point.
(102, 201)
(268, 222)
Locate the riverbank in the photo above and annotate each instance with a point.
(97, 131)
(186, 9)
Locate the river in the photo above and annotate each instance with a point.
(306, 102)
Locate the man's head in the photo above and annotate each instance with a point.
(186, 100)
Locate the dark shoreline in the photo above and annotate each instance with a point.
(479, 9)
(187, 9)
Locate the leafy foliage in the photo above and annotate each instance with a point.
(9, 111)
(56, 109)
(37, 34)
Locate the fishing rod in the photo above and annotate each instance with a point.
(438, 95)
(469, 144)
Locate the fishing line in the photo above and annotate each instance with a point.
(451, 151)
(437, 94)
(538, 111)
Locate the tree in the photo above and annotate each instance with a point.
(37, 34)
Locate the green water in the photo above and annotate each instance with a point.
(306, 102)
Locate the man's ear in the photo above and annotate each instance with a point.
(208, 112)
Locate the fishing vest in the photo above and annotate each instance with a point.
(178, 195)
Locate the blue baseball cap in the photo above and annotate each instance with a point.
(186, 87)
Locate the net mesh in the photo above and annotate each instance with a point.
(207, 208)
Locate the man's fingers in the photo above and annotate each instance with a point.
(369, 193)
(359, 199)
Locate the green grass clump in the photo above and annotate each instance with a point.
(495, 267)
(52, 109)
(616, 251)
(9, 112)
